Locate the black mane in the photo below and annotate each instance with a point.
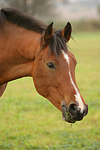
(57, 42)
(22, 19)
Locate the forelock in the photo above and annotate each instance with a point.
(57, 43)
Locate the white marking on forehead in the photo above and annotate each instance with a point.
(77, 96)
(66, 57)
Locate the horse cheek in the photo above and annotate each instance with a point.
(41, 82)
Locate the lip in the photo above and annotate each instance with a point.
(66, 116)
(69, 118)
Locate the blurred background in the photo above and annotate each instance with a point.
(30, 122)
(84, 14)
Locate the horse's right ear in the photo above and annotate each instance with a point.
(47, 34)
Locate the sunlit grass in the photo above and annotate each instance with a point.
(28, 121)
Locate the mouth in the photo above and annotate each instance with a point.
(72, 113)
(69, 118)
(66, 116)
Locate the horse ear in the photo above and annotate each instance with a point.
(66, 32)
(48, 34)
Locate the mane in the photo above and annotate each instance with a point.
(22, 19)
(57, 42)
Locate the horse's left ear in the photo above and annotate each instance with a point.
(66, 32)
(47, 34)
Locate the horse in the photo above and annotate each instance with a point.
(30, 48)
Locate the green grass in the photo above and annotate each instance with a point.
(30, 122)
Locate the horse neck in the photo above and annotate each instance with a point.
(17, 52)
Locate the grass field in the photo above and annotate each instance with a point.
(30, 122)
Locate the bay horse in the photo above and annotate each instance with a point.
(30, 48)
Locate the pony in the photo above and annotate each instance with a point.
(30, 48)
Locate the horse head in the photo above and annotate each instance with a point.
(54, 74)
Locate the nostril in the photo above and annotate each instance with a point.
(77, 113)
(73, 108)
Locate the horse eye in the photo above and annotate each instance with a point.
(51, 65)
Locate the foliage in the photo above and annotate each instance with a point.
(34, 7)
(98, 8)
(30, 122)
(82, 25)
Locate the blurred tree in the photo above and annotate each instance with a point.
(98, 7)
(65, 1)
(34, 7)
(3, 3)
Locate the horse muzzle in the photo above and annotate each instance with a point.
(72, 113)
